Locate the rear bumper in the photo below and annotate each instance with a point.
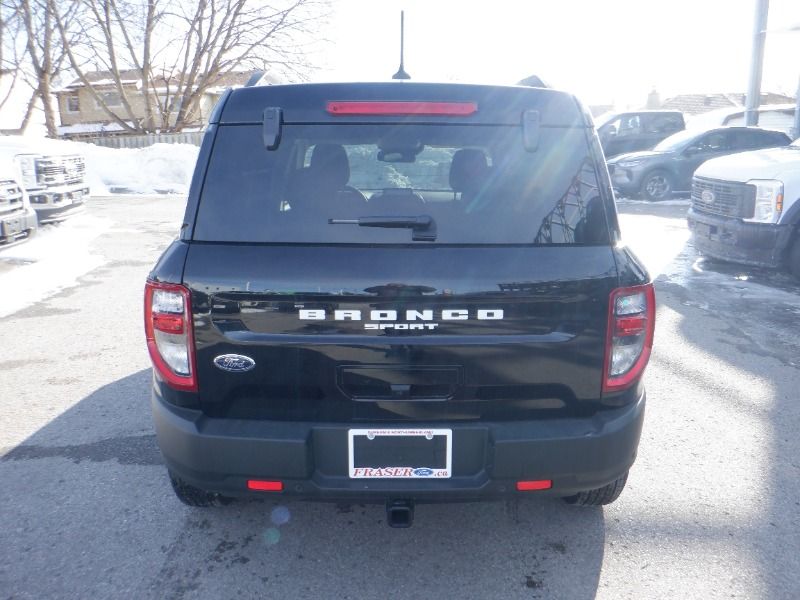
(17, 226)
(220, 455)
(730, 239)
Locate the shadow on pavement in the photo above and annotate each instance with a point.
(86, 500)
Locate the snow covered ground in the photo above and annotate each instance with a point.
(52, 261)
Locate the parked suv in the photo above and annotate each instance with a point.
(17, 218)
(399, 292)
(637, 130)
(52, 173)
(668, 168)
(746, 208)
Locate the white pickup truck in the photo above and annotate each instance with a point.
(52, 173)
(746, 208)
(17, 219)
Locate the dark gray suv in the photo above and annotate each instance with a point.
(668, 168)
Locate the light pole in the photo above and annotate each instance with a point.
(756, 62)
(796, 128)
(796, 132)
(760, 32)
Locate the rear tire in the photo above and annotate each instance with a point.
(657, 185)
(193, 496)
(601, 496)
(794, 257)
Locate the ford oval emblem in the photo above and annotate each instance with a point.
(707, 196)
(235, 363)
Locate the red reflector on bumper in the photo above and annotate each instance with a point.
(530, 486)
(402, 108)
(264, 486)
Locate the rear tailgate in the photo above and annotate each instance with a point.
(299, 258)
(347, 334)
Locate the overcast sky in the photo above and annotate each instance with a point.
(611, 51)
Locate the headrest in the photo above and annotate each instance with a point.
(329, 164)
(468, 169)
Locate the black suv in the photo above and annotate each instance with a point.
(399, 292)
(637, 130)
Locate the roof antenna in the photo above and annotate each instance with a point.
(401, 73)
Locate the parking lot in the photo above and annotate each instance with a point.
(712, 507)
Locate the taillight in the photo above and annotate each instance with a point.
(168, 329)
(631, 324)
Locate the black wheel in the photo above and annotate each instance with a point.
(601, 496)
(794, 256)
(192, 496)
(657, 185)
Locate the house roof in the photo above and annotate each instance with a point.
(695, 104)
(133, 77)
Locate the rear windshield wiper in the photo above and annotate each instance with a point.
(423, 227)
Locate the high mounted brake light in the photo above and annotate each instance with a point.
(631, 325)
(461, 109)
(168, 329)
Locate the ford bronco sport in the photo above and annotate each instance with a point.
(399, 292)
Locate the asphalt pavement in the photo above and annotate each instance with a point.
(711, 510)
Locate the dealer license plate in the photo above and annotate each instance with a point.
(400, 453)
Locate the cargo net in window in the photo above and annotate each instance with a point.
(573, 218)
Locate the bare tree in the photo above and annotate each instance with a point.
(13, 67)
(178, 51)
(34, 53)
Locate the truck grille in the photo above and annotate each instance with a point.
(60, 170)
(10, 196)
(726, 198)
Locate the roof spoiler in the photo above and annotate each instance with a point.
(533, 81)
(254, 78)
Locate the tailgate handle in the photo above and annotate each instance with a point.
(375, 383)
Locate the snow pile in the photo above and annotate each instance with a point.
(157, 169)
(52, 261)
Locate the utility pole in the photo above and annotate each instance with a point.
(756, 62)
(796, 132)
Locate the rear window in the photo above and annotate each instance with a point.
(459, 184)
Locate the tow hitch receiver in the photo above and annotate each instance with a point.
(400, 513)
